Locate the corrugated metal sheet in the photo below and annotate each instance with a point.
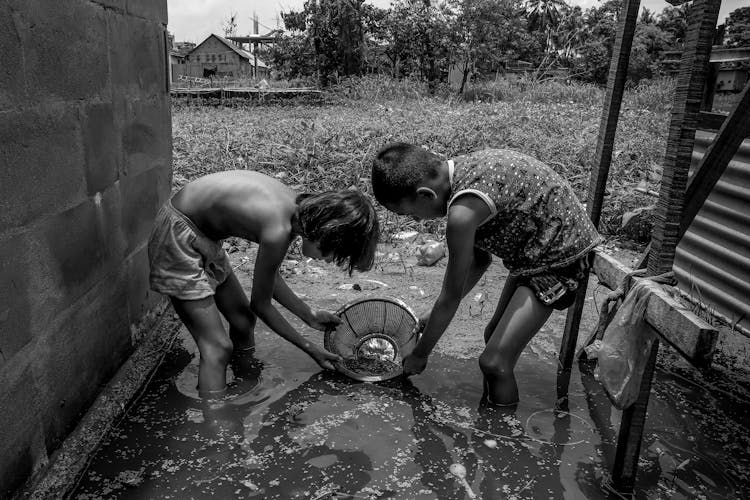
(712, 261)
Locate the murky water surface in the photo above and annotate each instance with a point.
(290, 431)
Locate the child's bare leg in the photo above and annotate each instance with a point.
(522, 319)
(235, 306)
(201, 317)
(502, 303)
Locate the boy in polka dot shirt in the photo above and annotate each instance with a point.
(498, 202)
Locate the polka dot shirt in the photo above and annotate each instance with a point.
(536, 221)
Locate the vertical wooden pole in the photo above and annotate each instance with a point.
(255, 45)
(618, 71)
(707, 103)
(631, 430)
(688, 97)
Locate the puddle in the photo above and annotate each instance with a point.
(288, 430)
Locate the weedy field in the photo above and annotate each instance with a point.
(329, 143)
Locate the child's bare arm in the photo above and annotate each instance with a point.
(287, 298)
(465, 216)
(479, 264)
(272, 249)
(319, 320)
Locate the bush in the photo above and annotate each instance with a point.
(330, 145)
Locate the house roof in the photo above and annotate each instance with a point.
(242, 53)
(271, 36)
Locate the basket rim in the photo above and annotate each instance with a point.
(341, 310)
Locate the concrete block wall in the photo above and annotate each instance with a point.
(85, 163)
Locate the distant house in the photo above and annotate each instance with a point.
(218, 57)
(731, 78)
(175, 60)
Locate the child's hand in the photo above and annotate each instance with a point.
(324, 358)
(324, 320)
(414, 365)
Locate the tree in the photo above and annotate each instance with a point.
(594, 54)
(674, 22)
(737, 26)
(416, 39)
(570, 34)
(544, 15)
(486, 34)
(229, 25)
(417, 33)
(329, 33)
(648, 44)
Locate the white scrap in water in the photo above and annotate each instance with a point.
(249, 484)
(376, 282)
(490, 443)
(405, 235)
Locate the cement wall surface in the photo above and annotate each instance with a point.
(85, 163)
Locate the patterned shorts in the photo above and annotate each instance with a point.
(185, 263)
(557, 287)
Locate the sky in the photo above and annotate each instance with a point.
(194, 20)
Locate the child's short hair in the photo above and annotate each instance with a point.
(343, 223)
(398, 170)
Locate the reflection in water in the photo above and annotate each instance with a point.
(294, 463)
(286, 430)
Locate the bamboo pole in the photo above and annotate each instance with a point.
(685, 111)
(618, 71)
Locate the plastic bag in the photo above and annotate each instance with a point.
(625, 349)
(430, 252)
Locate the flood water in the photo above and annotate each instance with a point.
(290, 431)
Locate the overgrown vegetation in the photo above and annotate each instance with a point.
(475, 39)
(330, 144)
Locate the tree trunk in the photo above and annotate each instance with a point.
(429, 54)
(464, 77)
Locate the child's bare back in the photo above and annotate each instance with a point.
(237, 203)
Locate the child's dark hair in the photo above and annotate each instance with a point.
(343, 223)
(398, 170)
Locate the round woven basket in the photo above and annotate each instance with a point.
(374, 336)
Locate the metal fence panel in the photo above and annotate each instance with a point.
(712, 261)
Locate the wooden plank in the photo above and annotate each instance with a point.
(610, 271)
(690, 335)
(631, 431)
(721, 54)
(710, 121)
(688, 97)
(713, 164)
(681, 328)
(618, 71)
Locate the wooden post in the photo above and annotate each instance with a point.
(707, 103)
(631, 430)
(618, 71)
(255, 45)
(688, 97)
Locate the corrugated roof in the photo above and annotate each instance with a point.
(712, 263)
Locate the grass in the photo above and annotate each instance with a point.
(330, 144)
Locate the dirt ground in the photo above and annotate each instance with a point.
(289, 430)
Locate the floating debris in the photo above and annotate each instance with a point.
(371, 366)
(459, 471)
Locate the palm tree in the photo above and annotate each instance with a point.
(544, 14)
